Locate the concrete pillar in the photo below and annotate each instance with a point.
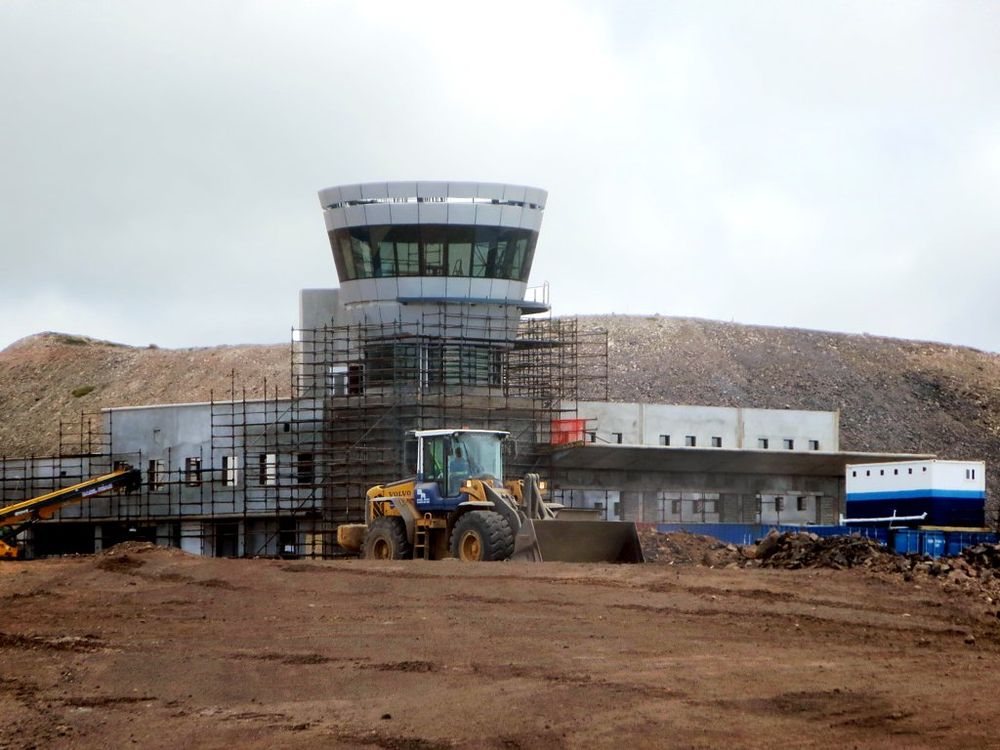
(631, 506)
(192, 539)
(98, 537)
(650, 507)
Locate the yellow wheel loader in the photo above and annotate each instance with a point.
(458, 505)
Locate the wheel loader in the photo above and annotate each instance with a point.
(458, 505)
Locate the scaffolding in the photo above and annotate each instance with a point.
(378, 382)
(275, 475)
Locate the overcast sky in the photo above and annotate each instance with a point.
(831, 165)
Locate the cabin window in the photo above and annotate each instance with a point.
(800, 503)
(664, 439)
(717, 442)
(690, 441)
(814, 445)
(789, 444)
(762, 443)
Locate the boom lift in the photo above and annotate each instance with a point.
(16, 517)
(459, 505)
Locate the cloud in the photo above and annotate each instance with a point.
(783, 163)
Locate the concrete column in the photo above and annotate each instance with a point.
(191, 537)
(98, 537)
(650, 507)
(631, 506)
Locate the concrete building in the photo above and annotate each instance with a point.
(433, 325)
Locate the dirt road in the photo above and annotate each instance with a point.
(160, 649)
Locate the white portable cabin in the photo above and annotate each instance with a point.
(930, 493)
(932, 478)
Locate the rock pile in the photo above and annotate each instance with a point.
(982, 556)
(792, 550)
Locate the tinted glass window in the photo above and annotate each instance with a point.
(433, 250)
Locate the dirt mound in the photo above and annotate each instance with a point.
(123, 549)
(682, 548)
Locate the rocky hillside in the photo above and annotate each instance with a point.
(893, 395)
(53, 376)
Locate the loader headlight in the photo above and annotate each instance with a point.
(543, 485)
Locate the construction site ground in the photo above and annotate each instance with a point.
(151, 647)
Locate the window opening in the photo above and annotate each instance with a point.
(192, 471)
(230, 471)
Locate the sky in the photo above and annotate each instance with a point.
(831, 165)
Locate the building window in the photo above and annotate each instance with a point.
(675, 507)
(854, 473)
(592, 437)
(779, 504)
(664, 439)
(698, 506)
(230, 471)
(910, 470)
(716, 442)
(895, 471)
(305, 469)
(690, 441)
(973, 473)
(814, 445)
(789, 444)
(192, 471)
(155, 474)
(267, 465)
(711, 506)
(868, 472)
(881, 472)
(762, 443)
(800, 503)
(617, 437)
(923, 468)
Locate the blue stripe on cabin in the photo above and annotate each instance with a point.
(918, 495)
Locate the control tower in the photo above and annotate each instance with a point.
(426, 330)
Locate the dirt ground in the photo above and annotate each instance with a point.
(156, 648)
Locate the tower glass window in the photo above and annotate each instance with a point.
(366, 252)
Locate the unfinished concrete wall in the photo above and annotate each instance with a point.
(680, 425)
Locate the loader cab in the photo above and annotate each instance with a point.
(449, 457)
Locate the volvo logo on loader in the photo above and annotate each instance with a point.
(468, 511)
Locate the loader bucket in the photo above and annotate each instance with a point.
(577, 541)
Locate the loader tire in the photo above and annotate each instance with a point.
(482, 535)
(386, 540)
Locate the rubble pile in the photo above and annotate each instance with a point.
(793, 550)
(983, 556)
